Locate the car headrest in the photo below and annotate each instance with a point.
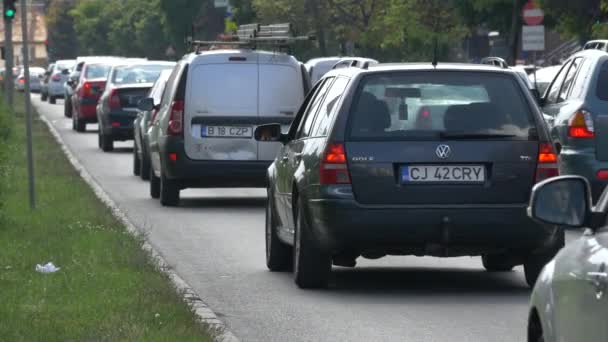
(372, 114)
(477, 117)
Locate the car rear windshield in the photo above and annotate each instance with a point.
(97, 71)
(138, 73)
(440, 104)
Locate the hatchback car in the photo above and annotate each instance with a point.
(570, 298)
(56, 78)
(117, 107)
(36, 75)
(576, 101)
(203, 134)
(148, 109)
(409, 160)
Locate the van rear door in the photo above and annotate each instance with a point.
(221, 109)
(281, 91)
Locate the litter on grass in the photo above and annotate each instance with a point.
(48, 268)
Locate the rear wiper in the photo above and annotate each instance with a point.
(447, 135)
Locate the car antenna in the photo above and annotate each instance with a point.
(435, 61)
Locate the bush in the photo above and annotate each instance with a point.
(5, 133)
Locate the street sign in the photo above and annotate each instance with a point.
(533, 38)
(221, 3)
(532, 14)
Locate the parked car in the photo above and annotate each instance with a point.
(576, 100)
(570, 299)
(317, 67)
(203, 133)
(117, 108)
(148, 108)
(409, 160)
(74, 77)
(44, 82)
(55, 78)
(91, 85)
(36, 73)
(543, 77)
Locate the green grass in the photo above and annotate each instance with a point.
(107, 288)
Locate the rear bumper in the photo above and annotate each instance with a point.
(584, 164)
(119, 125)
(56, 89)
(210, 173)
(87, 112)
(343, 224)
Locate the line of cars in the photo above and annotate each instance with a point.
(374, 160)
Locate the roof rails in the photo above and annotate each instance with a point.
(354, 62)
(495, 61)
(251, 36)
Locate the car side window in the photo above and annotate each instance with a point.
(578, 86)
(555, 87)
(295, 124)
(311, 111)
(328, 108)
(569, 80)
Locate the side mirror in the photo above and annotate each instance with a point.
(65, 71)
(537, 97)
(146, 104)
(270, 132)
(564, 201)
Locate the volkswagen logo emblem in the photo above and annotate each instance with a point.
(443, 151)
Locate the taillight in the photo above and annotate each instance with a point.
(176, 119)
(334, 169)
(580, 125)
(547, 162)
(91, 89)
(22, 80)
(56, 78)
(114, 100)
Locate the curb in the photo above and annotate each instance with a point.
(206, 316)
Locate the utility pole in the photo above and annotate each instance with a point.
(28, 104)
(9, 14)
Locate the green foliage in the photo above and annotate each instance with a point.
(63, 42)
(576, 18)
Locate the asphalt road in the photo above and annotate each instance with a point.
(215, 241)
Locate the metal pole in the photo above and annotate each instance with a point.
(28, 104)
(9, 87)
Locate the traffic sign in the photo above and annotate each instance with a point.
(532, 14)
(533, 38)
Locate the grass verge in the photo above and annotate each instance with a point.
(107, 288)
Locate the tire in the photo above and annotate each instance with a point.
(169, 192)
(535, 262)
(67, 107)
(99, 140)
(52, 100)
(154, 185)
(43, 97)
(279, 256)
(497, 263)
(77, 125)
(107, 143)
(136, 162)
(144, 172)
(312, 265)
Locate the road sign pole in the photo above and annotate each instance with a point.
(28, 105)
(8, 63)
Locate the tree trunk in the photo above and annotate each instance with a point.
(320, 30)
(514, 34)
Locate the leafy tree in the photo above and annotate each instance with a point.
(92, 26)
(63, 41)
(576, 18)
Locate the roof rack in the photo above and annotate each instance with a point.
(251, 36)
(495, 61)
(355, 62)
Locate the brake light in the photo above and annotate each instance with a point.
(91, 89)
(176, 119)
(22, 81)
(56, 78)
(580, 125)
(602, 174)
(547, 162)
(114, 100)
(334, 169)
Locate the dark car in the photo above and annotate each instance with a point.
(409, 160)
(576, 101)
(117, 108)
(141, 145)
(91, 85)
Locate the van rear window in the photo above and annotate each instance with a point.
(229, 89)
(432, 105)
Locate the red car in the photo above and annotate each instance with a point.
(90, 86)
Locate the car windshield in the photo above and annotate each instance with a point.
(61, 67)
(97, 71)
(432, 105)
(138, 73)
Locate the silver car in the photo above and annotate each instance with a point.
(570, 298)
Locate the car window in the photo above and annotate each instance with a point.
(313, 108)
(602, 82)
(97, 71)
(166, 98)
(328, 107)
(432, 105)
(138, 73)
(578, 86)
(555, 87)
(569, 80)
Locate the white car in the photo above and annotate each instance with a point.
(317, 67)
(36, 75)
(544, 77)
(570, 299)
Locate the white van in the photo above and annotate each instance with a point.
(214, 100)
